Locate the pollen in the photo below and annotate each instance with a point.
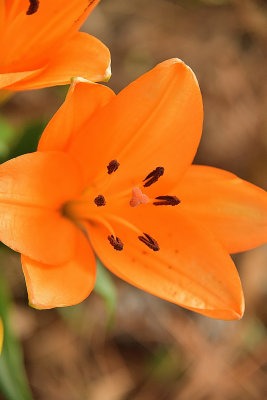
(33, 8)
(138, 197)
(167, 201)
(149, 242)
(100, 200)
(153, 176)
(113, 166)
(115, 242)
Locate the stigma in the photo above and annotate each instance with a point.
(138, 197)
(83, 209)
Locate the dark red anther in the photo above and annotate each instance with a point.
(113, 166)
(100, 201)
(33, 8)
(153, 176)
(167, 201)
(115, 242)
(149, 242)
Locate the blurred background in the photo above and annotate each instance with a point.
(121, 343)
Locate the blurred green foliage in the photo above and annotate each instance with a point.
(165, 364)
(7, 136)
(13, 381)
(105, 287)
(15, 142)
(28, 139)
(253, 334)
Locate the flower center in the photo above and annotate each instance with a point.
(94, 208)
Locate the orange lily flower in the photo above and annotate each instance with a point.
(113, 176)
(41, 45)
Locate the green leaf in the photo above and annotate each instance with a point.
(105, 287)
(7, 135)
(29, 139)
(13, 381)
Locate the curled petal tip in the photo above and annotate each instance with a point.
(238, 314)
(32, 305)
(39, 306)
(77, 79)
(107, 74)
(232, 313)
(235, 314)
(222, 314)
(33, 302)
(99, 78)
(238, 309)
(181, 64)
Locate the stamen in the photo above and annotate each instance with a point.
(100, 201)
(149, 242)
(153, 176)
(167, 201)
(33, 8)
(113, 166)
(115, 242)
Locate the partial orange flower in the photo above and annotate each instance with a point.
(113, 176)
(41, 45)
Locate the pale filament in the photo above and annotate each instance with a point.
(86, 214)
(127, 193)
(101, 183)
(124, 222)
(81, 211)
(102, 221)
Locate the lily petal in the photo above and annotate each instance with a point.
(62, 285)
(191, 269)
(40, 33)
(13, 78)
(145, 126)
(82, 55)
(233, 209)
(2, 17)
(82, 101)
(33, 188)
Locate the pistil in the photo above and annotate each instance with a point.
(83, 208)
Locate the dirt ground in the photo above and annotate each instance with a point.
(155, 350)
